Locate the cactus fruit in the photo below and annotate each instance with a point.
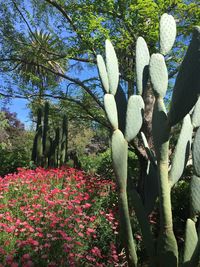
(158, 74)
(167, 33)
(142, 62)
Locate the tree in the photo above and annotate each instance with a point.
(15, 144)
(81, 27)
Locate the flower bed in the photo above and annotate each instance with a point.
(57, 217)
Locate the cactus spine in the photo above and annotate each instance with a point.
(185, 95)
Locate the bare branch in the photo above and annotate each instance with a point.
(61, 97)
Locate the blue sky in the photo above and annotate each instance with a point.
(20, 107)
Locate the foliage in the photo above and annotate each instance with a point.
(51, 33)
(80, 136)
(57, 218)
(100, 164)
(15, 144)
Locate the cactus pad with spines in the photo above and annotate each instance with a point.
(196, 114)
(187, 85)
(182, 151)
(167, 33)
(120, 157)
(121, 103)
(195, 195)
(112, 67)
(103, 73)
(142, 62)
(196, 153)
(111, 110)
(134, 118)
(191, 240)
(159, 125)
(158, 74)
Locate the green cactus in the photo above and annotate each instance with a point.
(45, 131)
(134, 117)
(142, 62)
(159, 74)
(112, 68)
(37, 150)
(150, 187)
(121, 104)
(191, 240)
(183, 98)
(195, 114)
(167, 33)
(34, 149)
(63, 153)
(111, 110)
(182, 151)
(159, 179)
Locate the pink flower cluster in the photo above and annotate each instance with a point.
(56, 217)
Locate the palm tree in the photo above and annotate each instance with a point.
(38, 51)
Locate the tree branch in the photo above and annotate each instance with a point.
(69, 19)
(76, 81)
(29, 96)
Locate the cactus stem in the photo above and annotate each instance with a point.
(126, 229)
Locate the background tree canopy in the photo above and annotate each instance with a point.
(52, 39)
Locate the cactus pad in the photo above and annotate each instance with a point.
(191, 240)
(134, 116)
(182, 150)
(121, 102)
(158, 74)
(120, 157)
(142, 62)
(159, 126)
(194, 194)
(167, 33)
(196, 152)
(187, 85)
(111, 110)
(150, 187)
(103, 72)
(112, 67)
(196, 114)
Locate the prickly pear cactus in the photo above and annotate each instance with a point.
(109, 74)
(126, 125)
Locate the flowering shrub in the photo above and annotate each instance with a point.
(57, 217)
